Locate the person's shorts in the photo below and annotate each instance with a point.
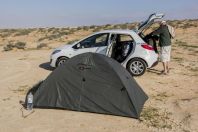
(165, 53)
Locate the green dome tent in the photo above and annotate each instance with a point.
(91, 83)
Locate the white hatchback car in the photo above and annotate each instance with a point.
(125, 46)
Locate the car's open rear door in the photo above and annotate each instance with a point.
(144, 25)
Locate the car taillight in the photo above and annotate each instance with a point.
(148, 47)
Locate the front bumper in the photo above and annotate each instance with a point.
(52, 62)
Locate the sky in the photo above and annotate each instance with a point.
(63, 13)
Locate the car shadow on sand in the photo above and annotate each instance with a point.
(46, 66)
(155, 71)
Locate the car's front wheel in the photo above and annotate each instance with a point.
(136, 67)
(61, 60)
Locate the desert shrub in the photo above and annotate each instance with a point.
(42, 45)
(187, 25)
(180, 43)
(52, 29)
(124, 26)
(185, 44)
(65, 28)
(8, 47)
(23, 32)
(172, 23)
(71, 31)
(97, 29)
(7, 32)
(17, 45)
(107, 25)
(22, 89)
(63, 33)
(5, 35)
(131, 27)
(41, 30)
(178, 59)
(115, 27)
(79, 28)
(43, 38)
(55, 35)
(20, 45)
(154, 117)
(92, 27)
(86, 28)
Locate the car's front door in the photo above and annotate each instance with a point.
(95, 44)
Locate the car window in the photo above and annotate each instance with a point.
(95, 41)
(125, 38)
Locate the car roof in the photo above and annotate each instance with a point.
(133, 33)
(121, 31)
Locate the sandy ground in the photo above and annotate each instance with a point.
(174, 98)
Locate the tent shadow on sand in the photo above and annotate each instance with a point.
(46, 66)
(90, 83)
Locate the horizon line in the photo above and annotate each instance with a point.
(36, 27)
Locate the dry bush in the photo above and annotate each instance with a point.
(124, 26)
(17, 45)
(178, 59)
(20, 45)
(86, 28)
(7, 32)
(92, 27)
(79, 28)
(161, 96)
(8, 47)
(56, 35)
(97, 29)
(22, 90)
(42, 45)
(154, 117)
(23, 32)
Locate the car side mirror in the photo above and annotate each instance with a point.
(78, 46)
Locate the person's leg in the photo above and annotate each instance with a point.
(164, 67)
(167, 66)
(163, 59)
(168, 60)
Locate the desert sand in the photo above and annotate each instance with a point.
(172, 104)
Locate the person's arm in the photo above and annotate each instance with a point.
(157, 32)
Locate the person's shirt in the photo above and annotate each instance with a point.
(164, 36)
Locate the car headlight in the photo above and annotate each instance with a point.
(56, 51)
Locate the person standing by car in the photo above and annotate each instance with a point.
(165, 45)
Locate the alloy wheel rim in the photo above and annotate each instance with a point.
(61, 62)
(137, 67)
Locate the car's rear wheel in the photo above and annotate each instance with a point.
(136, 67)
(61, 60)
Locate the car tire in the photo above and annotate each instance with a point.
(61, 60)
(136, 67)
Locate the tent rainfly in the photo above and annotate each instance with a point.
(90, 83)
